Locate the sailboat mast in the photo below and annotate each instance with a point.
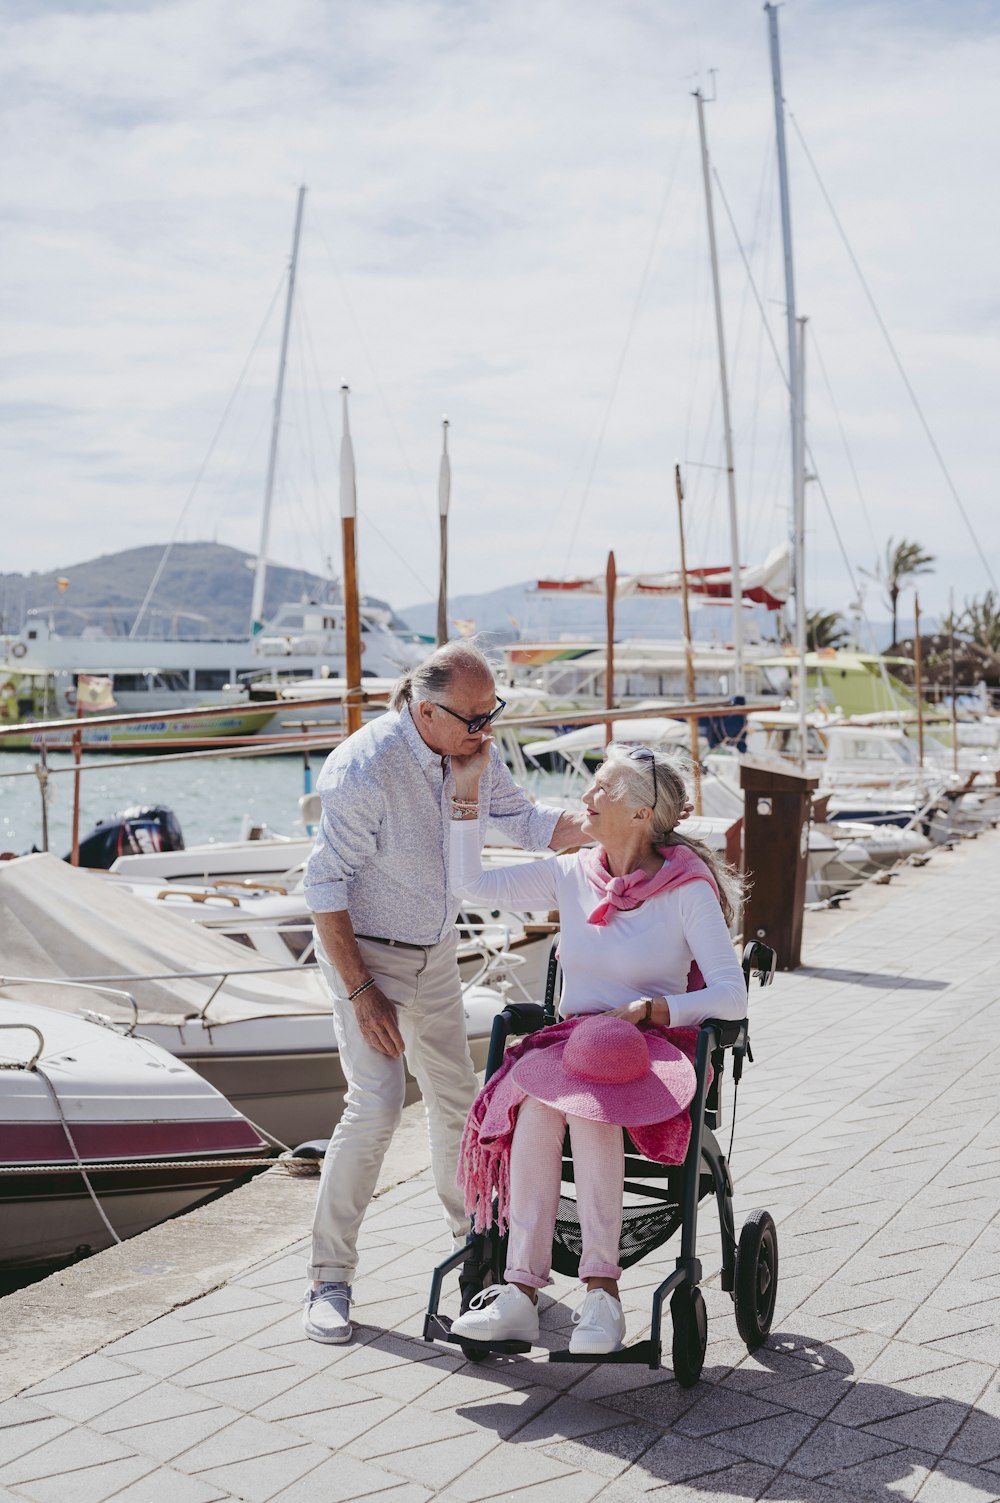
(260, 572)
(734, 532)
(799, 556)
(794, 376)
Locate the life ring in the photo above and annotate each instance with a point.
(18, 650)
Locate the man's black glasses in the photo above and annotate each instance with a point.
(643, 754)
(478, 722)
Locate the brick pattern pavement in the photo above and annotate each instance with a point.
(870, 1127)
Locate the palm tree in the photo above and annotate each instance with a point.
(825, 629)
(981, 620)
(902, 563)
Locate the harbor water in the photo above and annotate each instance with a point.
(211, 798)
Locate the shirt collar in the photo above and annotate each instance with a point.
(418, 746)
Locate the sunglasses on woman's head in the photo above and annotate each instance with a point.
(643, 754)
(478, 722)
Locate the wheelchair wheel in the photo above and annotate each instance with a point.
(687, 1311)
(756, 1278)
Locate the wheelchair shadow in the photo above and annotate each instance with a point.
(794, 1427)
(881, 980)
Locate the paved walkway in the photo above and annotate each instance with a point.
(870, 1127)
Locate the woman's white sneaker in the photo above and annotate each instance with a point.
(600, 1325)
(502, 1312)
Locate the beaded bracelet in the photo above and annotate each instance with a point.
(362, 988)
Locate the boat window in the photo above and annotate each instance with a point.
(130, 683)
(32, 634)
(173, 679)
(211, 678)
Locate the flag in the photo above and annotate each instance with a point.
(464, 628)
(93, 693)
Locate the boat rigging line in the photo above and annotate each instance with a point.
(158, 574)
(643, 282)
(896, 358)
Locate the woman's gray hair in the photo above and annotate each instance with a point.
(631, 779)
(436, 674)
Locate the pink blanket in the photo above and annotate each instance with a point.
(484, 1161)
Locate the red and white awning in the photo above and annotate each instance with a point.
(767, 583)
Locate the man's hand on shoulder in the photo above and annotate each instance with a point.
(568, 832)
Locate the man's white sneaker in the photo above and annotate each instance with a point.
(327, 1313)
(600, 1325)
(502, 1312)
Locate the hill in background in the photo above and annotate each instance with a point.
(205, 591)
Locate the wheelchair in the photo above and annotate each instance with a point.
(669, 1197)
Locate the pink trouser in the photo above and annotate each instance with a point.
(535, 1176)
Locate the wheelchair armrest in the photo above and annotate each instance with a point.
(729, 1033)
(523, 1017)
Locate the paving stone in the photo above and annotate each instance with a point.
(233, 1361)
(20, 1440)
(254, 1389)
(930, 1428)
(164, 1485)
(262, 1477)
(166, 1439)
(677, 1458)
(161, 1402)
(92, 1484)
(951, 1482)
(84, 1403)
(723, 1409)
(832, 1447)
(439, 1464)
(96, 1369)
(608, 1453)
(506, 1472)
(66, 1449)
(566, 1418)
(407, 1427)
(505, 1414)
(170, 1359)
(901, 1474)
(21, 1412)
(244, 1439)
(574, 1487)
(341, 1479)
(337, 1427)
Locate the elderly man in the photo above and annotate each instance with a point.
(377, 884)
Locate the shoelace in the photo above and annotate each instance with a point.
(342, 1291)
(579, 1315)
(491, 1292)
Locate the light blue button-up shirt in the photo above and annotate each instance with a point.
(382, 848)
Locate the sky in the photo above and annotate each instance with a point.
(504, 222)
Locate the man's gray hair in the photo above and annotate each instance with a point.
(435, 675)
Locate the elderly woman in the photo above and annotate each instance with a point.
(644, 919)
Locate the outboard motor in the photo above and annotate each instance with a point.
(133, 832)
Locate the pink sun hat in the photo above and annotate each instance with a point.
(608, 1070)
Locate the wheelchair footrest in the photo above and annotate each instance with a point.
(645, 1352)
(438, 1328)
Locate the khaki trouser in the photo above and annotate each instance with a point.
(425, 986)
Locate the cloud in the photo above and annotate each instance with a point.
(484, 186)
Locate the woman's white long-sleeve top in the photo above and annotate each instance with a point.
(642, 952)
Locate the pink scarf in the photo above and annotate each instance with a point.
(680, 865)
(484, 1159)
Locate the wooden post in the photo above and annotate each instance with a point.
(688, 649)
(42, 774)
(919, 680)
(444, 502)
(74, 856)
(352, 612)
(610, 591)
(951, 679)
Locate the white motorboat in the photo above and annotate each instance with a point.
(260, 1032)
(152, 1138)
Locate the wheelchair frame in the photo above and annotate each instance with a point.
(749, 1266)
